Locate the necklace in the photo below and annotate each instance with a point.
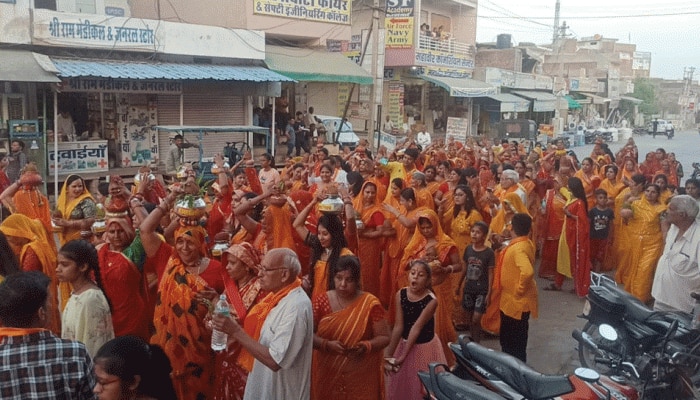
(198, 266)
(327, 251)
(342, 304)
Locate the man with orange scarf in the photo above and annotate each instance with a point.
(277, 334)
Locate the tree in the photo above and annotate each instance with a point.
(645, 91)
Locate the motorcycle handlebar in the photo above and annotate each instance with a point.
(584, 339)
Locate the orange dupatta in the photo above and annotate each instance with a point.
(256, 318)
(21, 226)
(331, 370)
(13, 332)
(179, 316)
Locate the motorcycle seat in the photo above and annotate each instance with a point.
(531, 384)
(634, 308)
(447, 386)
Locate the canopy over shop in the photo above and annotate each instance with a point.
(326, 81)
(126, 99)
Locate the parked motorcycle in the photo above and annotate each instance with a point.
(482, 373)
(656, 352)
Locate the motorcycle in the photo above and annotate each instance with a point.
(656, 352)
(482, 373)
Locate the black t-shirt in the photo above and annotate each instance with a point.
(478, 264)
(600, 222)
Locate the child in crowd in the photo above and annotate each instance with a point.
(413, 341)
(601, 218)
(480, 261)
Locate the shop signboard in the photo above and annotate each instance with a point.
(457, 129)
(386, 140)
(329, 11)
(78, 157)
(395, 100)
(109, 85)
(399, 24)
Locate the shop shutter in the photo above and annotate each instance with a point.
(213, 109)
(201, 108)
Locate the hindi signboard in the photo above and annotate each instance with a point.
(457, 128)
(79, 157)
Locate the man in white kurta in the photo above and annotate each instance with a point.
(282, 366)
(677, 272)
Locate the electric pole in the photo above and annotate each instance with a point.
(555, 34)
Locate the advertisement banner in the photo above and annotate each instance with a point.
(329, 11)
(399, 24)
(395, 103)
(137, 141)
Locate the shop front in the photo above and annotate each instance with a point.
(115, 113)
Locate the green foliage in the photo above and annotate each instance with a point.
(645, 91)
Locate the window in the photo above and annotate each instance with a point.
(46, 4)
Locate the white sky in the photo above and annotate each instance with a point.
(670, 29)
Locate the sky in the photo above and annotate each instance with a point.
(670, 29)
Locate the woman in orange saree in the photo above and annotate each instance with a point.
(30, 244)
(23, 197)
(327, 246)
(403, 221)
(590, 180)
(463, 215)
(351, 332)
(443, 197)
(189, 285)
(77, 209)
(429, 235)
(370, 234)
(553, 223)
(500, 232)
(242, 293)
(622, 239)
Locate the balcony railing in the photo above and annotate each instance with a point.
(447, 45)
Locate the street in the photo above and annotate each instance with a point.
(551, 349)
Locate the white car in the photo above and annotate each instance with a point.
(343, 134)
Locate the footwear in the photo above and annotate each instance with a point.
(552, 288)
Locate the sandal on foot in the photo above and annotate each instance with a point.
(552, 287)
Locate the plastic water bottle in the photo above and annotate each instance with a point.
(218, 338)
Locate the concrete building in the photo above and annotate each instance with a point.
(119, 73)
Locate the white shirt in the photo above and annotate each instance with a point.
(288, 333)
(677, 273)
(423, 139)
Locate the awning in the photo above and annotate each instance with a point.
(543, 101)
(631, 99)
(510, 103)
(73, 68)
(315, 65)
(596, 99)
(462, 87)
(26, 66)
(573, 104)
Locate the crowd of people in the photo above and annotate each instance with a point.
(345, 274)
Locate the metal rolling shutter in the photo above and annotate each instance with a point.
(213, 108)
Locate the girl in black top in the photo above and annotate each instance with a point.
(413, 342)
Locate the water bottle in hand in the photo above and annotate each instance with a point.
(218, 338)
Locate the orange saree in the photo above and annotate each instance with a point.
(337, 376)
